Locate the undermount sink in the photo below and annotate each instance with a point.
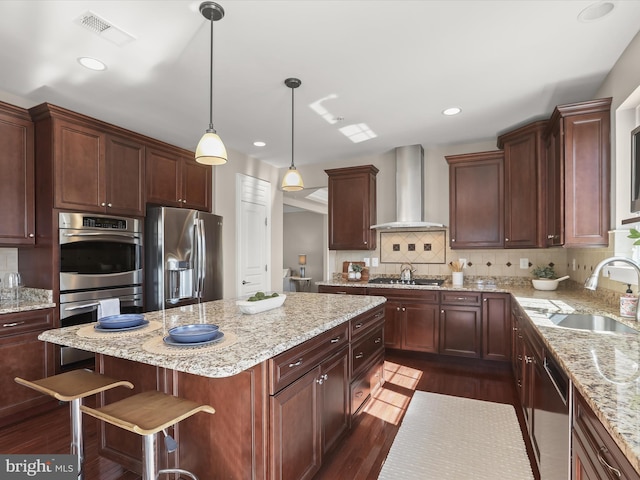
(585, 321)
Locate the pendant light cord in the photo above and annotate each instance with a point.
(292, 109)
(211, 81)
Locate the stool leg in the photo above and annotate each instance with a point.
(77, 446)
(149, 464)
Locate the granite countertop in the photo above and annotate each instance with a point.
(30, 299)
(257, 337)
(603, 366)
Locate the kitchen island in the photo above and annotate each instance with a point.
(245, 378)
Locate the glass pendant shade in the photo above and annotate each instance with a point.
(292, 180)
(211, 150)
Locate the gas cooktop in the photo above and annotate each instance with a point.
(436, 282)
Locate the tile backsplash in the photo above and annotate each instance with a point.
(413, 247)
(8, 261)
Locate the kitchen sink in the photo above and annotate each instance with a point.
(586, 321)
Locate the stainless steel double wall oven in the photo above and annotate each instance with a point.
(100, 258)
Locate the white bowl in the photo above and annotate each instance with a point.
(545, 283)
(261, 305)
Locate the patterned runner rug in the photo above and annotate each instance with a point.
(445, 437)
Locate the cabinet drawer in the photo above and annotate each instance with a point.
(342, 290)
(295, 362)
(363, 323)
(364, 350)
(14, 323)
(406, 294)
(366, 384)
(460, 298)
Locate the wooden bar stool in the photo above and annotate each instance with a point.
(72, 387)
(147, 414)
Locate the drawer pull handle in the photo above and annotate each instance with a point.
(358, 325)
(359, 355)
(359, 394)
(377, 340)
(605, 464)
(464, 299)
(297, 364)
(14, 324)
(335, 340)
(342, 293)
(379, 314)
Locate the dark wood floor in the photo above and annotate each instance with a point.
(358, 457)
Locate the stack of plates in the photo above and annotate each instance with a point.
(122, 322)
(194, 334)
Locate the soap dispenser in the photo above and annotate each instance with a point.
(628, 303)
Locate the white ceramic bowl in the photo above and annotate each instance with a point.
(261, 305)
(545, 283)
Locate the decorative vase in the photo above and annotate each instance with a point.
(457, 278)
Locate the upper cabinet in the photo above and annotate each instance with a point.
(577, 142)
(524, 186)
(175, 179)
(17, 208)
(88, 165)
(352, 208)
(476, 200)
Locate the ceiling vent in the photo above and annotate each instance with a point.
(104, 29)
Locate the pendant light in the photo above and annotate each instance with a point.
(292, 181)
(211, 150)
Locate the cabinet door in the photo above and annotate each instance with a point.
(420, 321)
(164, 177)
(476, 200)
(295, 430)
(460, 331)
(555, 186)
(586, 165)
(125, 177)
(352, 208)
(23, 355)
(334, 392)
(524, 166)
(196, 185)
(79, 153)
(393, 324)
(496, 327)
(17, 180)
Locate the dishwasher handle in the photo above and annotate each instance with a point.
(558, 379)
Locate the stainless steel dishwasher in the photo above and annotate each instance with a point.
(552, 420)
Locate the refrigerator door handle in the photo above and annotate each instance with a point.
(202, 257)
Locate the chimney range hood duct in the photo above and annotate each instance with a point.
(409, 190)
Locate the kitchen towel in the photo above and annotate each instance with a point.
(453, 438)
(108, 307)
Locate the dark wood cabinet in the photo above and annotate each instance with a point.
(476, 200)
(176, 180)
(411, 318)
(89, 166)
(23, 355)
(524, 186)
(343, 290)
(460, 330)
(577, 146)
(496, 326)
(352, 208)
(17, 200)
(595, 453)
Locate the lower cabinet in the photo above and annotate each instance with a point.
(461, 324)
(595, 454)
(342, 290)
(23, 355)
(496, 326)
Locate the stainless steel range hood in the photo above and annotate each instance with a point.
(409, 191)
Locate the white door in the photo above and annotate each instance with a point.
(253, 234)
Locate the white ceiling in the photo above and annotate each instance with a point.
(391, 65)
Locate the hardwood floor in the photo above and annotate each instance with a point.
(358, 457)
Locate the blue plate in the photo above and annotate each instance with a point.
(169, 341)
(194, 333)
(123, 329)
(123, 320)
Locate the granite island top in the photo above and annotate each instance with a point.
(257, 337)
(603, 366)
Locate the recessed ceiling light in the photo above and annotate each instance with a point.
(452, 111)
(595, 11)
(92, 64)
(259, 144)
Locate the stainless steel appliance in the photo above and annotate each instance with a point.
(183, 257)
(100, 258)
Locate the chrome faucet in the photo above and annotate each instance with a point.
(592, 282)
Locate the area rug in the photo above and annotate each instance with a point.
(445, 437)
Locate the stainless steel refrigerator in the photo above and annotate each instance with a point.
(183, 257)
